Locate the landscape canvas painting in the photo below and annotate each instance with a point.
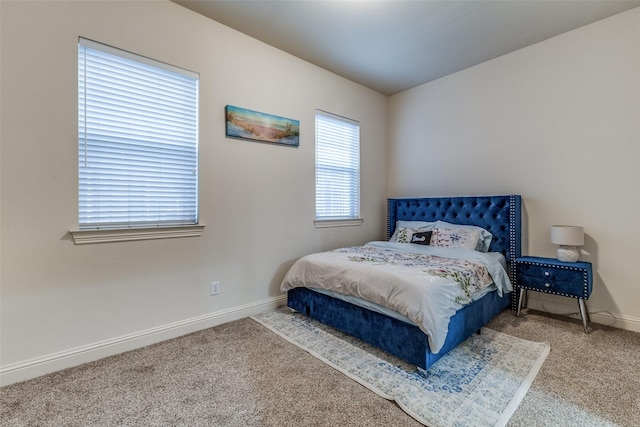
(256, 126)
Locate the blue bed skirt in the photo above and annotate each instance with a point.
(394, 336)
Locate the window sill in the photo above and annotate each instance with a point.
(327, 223)
(83, 237)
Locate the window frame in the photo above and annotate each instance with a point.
(133, 229)
(354, 218)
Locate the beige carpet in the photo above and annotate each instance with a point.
(242, 374)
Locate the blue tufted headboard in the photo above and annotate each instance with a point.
(500, 215)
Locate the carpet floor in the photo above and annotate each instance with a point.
(242, 374)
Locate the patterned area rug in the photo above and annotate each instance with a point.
(479, 383)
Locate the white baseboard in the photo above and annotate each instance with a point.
(569, 307)
(26, 370)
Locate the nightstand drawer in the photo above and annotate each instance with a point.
(567, 279)
(546, 282)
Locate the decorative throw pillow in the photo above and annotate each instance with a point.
(421, 238)
(455, 238)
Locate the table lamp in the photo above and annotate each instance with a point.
(568, 237)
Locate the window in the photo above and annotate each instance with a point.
(138, 141)
(337, 170)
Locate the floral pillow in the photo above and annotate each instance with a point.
(484, 241)
(412, 227)
(455, 238)
(402, 235)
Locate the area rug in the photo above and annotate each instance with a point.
(479, 383)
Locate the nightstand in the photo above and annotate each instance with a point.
(568, 279)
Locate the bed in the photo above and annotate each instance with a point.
(394, 332)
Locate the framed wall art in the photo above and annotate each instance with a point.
(262, 127)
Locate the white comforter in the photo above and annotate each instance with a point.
(426, 284)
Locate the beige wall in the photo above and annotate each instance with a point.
(63, 304)
(558, 123)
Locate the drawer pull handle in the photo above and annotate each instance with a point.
(546, 285)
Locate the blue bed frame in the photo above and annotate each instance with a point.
(500, 215)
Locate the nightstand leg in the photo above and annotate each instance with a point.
(584, 314)
(521, 298)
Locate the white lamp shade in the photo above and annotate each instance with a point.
(569, 235)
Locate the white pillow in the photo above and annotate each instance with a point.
(416, 225)
(484, 240)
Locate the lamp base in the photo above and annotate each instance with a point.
(568, 253)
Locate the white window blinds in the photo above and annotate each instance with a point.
(138, 140)
(337, 167)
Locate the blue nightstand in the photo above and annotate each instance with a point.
(568, 279)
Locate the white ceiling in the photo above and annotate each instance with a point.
(394, 45)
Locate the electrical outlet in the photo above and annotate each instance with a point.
(215, 288)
